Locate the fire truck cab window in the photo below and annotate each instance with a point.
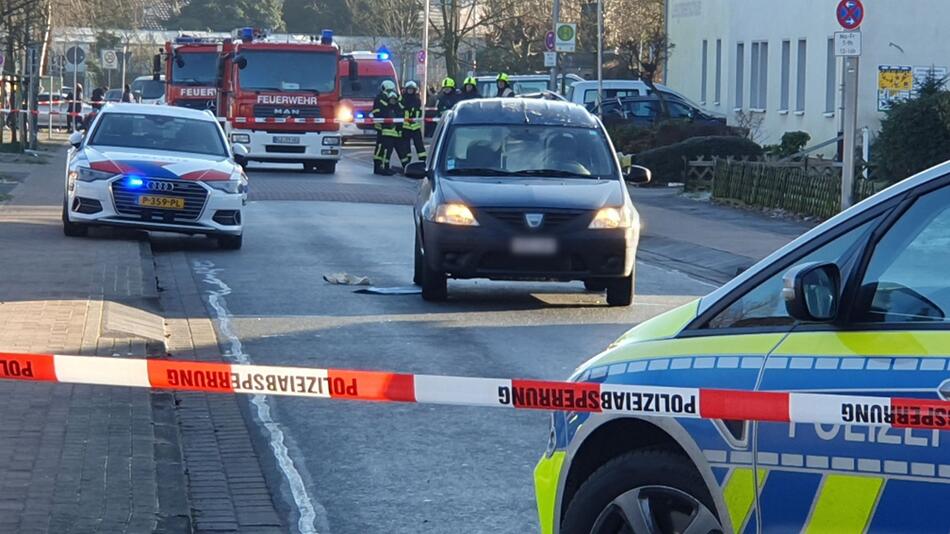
(195, 68)
(283, 70)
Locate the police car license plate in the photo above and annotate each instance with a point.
(286, 140)
(534, 246)
(167, 203)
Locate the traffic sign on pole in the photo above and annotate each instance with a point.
(550, 59)
(565, 37)
(110, 60)
(847, 44)
(421, 56)
(548, 41)
(850, 14)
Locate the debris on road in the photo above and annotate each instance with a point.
(346, 279)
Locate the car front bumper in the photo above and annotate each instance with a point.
(94, 203)
(481, 252)
(309, 148)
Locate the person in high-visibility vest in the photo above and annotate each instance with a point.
(391, 133)
(448, 97)
(469, 89)
(412, 128)
(504, 88)
(378, 104)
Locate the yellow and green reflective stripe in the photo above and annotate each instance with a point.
(738, 345)
(921, 343)
(546, 476)
(739, 495)
(845, 503)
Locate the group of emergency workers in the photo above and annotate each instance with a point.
(403, 135)
(400, 135)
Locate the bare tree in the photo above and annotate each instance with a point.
(400, 19)
(458, 21)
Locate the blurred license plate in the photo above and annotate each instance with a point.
(534, 246)
(168, 203)
(286, 140)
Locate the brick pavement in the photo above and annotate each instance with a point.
(79, 458)
(227, 488)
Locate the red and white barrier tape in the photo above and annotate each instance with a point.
(315, 120)
(37, 112)
(696, 403)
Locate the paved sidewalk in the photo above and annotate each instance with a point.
(704, 239)
(79, 458)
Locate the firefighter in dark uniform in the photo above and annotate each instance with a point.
(447, 97)
(391, 133)
(469, 89)
(504, 89)
(378, 104)
(412, 128)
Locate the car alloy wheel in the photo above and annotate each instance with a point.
(656, 510)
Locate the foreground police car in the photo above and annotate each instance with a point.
(525, 189)
(859, 304)
(156, 168)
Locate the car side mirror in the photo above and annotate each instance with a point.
(75, 139)
(812, 292)
(637, 174)
(416, 170)
(240, 153)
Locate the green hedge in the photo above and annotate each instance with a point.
(667, 162)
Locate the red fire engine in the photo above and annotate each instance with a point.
(193, 68)
(281, 99)
(358, 94)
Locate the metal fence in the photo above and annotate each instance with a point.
(809, 191)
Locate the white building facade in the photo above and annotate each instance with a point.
(774, 59)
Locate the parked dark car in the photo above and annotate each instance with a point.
(525, 189)
(647, 111)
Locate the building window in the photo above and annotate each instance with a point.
(800, 76)
(786, 74)
(740, 74)
(831, 78)
(759, 83)
(705, 71)
(718, 71)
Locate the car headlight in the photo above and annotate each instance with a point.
(85, 174)
(610, 218)
(455, 214)
(332, 141)
(240, 138)
(344, 114)
(236, 184)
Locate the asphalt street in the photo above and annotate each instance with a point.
(359, 467)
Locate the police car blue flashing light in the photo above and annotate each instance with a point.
(135, 182)
(326, 37)
(246, 34)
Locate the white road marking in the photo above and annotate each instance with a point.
(307, 507)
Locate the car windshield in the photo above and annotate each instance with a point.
(158, 132)
(150, 89)
(195, 68)
(527, 150)
(113, 95)
(281, 70)
(365, 87)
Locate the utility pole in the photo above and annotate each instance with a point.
(600, 56)
(424, 89)
(850, 129)
(555, 15)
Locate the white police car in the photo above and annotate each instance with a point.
(156, 168)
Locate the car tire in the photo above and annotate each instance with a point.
(660, 485)
(71, 229)
(620, 290)
(435, 287)
(231, 242)
(595, 284)
(417, 263)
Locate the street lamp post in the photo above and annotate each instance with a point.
(424, 89)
